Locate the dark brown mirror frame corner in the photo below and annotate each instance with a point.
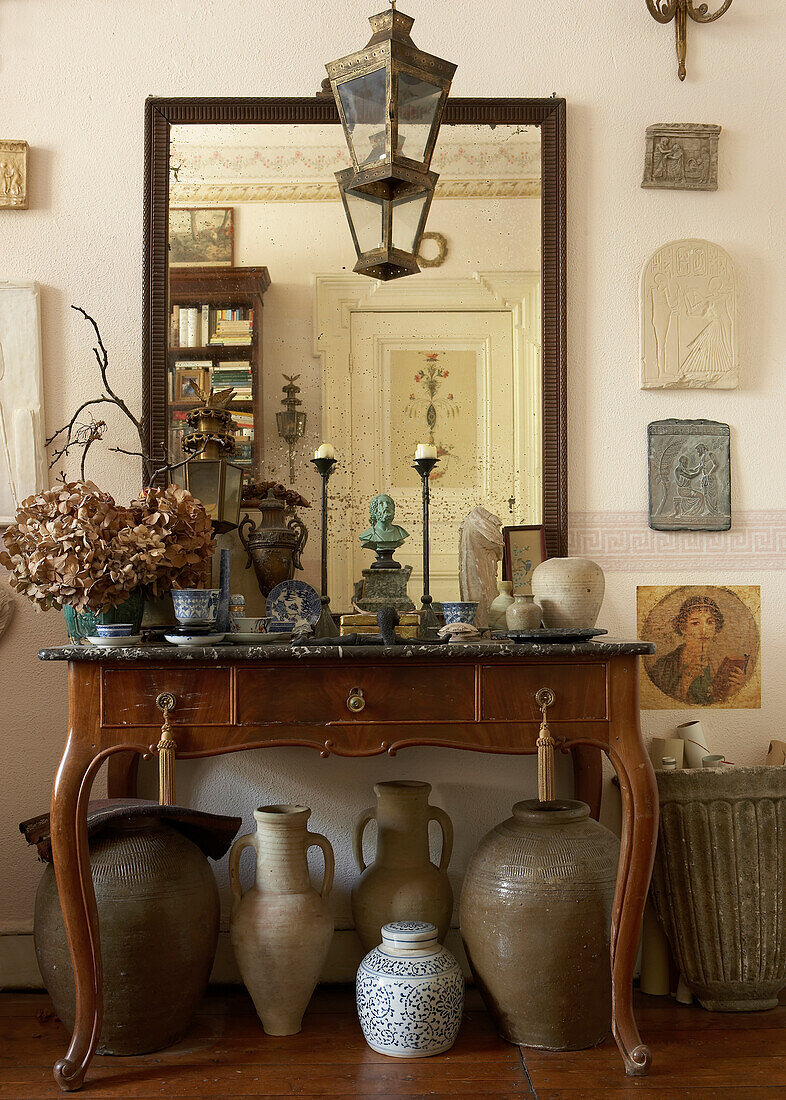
(548, 114)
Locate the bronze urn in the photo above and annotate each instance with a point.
(274, 545)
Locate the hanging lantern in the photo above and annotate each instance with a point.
(208, 476)
(386, 232)
(290, 421)
(390, 98)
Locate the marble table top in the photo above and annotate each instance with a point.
(488, 651)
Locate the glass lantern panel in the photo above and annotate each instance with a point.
(407, 214)
(233, 483)
(363, 103)
(204, 481)
(418, 101)
(366, 215)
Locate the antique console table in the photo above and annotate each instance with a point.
(351, 701)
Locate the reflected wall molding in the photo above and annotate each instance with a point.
(219, 193)
(622, 542)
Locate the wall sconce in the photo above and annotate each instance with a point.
(679, 10)
(390, 97)
(290, 421)
(208, 475)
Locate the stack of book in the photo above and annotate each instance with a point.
(233, 331)
(235, 374)
(200, 326)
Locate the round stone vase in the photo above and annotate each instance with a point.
(410, 993)
(535, 920)
(570, 591)
(523, 613)
(281, 927)
(158, 911)
(402, 883)
(274, 545)
(719, 882)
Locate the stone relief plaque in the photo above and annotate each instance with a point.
(709, 646)
(13, 175)
(681, 156)
(689, 475)
(689, 318)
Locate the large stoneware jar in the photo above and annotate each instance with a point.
(535, 919)
(158, 914)
(570, 592)
(281, 927)
(402, 883)
(719, 883)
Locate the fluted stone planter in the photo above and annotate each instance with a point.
(718, 883)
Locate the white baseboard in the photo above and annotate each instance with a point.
(19, 969)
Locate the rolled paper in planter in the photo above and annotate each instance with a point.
(667, 746)
(696, 747)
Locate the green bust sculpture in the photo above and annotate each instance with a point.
(383, 535)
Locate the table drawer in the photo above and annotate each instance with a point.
(202, 696)
(508, 691)
(317, 695)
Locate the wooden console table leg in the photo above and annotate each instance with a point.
(587, 776)
(122, 774)
(637, 854)
(71, 861)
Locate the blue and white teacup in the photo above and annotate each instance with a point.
(195, 605)
(114, 630)
(459, 611)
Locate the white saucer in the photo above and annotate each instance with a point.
(116, 643)
(257, 637)
(195, 639)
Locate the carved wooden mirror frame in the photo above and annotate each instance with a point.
(548, 114)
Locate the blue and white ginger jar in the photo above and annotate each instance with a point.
(410, 992)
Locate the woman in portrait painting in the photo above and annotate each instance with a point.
(694, 672)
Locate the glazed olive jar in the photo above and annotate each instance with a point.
(535, 920)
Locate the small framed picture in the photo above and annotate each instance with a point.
(525, 548)
(201, 236)
(189, 381)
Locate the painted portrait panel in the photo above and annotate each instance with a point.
(201, 237)
(709, 646)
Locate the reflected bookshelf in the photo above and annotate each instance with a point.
(215, 339)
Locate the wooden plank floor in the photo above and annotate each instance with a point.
(697, 1056)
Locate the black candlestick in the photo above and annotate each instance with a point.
(326, 627)
(428, 620)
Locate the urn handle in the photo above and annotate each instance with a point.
(436, 813)
(247, 841)
(297, 525)
(320, 841)
(361, 821)
(246, 521)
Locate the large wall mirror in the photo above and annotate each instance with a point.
(249, 282)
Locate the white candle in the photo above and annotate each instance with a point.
(426, 450)
(325, 450)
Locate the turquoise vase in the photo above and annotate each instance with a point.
(82, 624)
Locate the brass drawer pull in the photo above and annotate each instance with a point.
(356, 701)
(166, 748)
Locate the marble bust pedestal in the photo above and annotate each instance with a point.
(382, 587)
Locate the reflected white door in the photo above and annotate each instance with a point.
(444, 377)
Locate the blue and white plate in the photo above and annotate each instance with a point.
(293, 600)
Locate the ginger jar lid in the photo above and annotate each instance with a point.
(409, 933)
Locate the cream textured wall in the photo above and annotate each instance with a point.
(73, 78)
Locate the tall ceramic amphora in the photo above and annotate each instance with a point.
(281, 927)
(402, 883)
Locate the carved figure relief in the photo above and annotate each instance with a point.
(709, 643)
(689, 475)
(682, 156)
(13, 174)
(689, 318)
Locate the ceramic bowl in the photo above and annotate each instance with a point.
(459, 612)
(195, 605)
(242, 624)
(114, 630)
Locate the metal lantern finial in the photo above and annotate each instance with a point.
(208, 475)
(390, 97)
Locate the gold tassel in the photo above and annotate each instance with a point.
(545, 743)
(166, 748)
